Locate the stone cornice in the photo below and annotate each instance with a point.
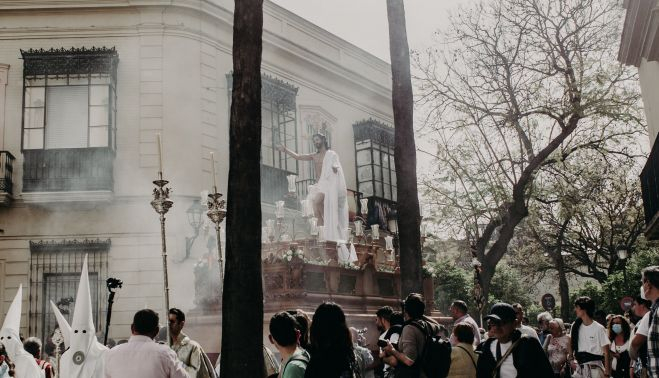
(640, 34)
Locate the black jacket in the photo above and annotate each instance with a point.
(528, 357)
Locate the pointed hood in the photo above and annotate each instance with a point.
(83, 359)
(64, 326)
(13, 318)
(82, 312)
(9, 334)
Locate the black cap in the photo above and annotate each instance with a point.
(502, 312)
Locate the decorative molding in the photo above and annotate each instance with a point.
(273, 90)
(374, 130)
(95, 60)
(95, 197)
(56, 246)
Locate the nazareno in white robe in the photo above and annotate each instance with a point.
(333, 186)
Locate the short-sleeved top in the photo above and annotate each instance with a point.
(412, 341)
(293, 367)
(592, 338)
(643, 327)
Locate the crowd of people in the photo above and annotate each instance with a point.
(410, 344)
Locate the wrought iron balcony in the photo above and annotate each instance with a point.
(6, 172)
(650, 191)
(73, 169)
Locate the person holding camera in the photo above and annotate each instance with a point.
(394, 326)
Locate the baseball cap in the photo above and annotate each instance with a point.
(502, 312)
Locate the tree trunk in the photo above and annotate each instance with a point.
(409, 220)
(242, 299)
(563, 287)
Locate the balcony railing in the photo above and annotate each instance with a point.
(74, 169)
(6, 173)
(650, 191)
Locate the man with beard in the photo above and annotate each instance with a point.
(329, 195)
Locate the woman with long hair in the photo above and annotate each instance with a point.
(619, 334)
(332, 354)
(590, 344)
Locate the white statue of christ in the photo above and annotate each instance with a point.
(330, 203)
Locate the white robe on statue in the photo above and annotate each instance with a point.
(333, 186)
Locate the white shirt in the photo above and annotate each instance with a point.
(528, 331)
(643, 326)
(592, 338)
(144, 358)
(469, 320)
(507, 369)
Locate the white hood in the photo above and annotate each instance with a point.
(84, 356)
(64, 326)
(26, 366)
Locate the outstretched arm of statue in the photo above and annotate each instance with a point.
(281, 147)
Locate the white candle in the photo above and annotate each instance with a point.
(159, 154)
(213, 173)
(321, 233)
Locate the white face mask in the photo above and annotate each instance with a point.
(643, 293)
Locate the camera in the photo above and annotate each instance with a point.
(382, 343)
(113, 283)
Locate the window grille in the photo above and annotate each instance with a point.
(55, 268)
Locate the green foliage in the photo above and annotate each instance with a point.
(508, 286)
(607, 295)
(451, 283)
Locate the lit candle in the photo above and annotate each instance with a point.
(213, 172)
(375, 229)
(159, 154)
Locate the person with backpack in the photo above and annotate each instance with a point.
(285, 335)
(420, 353)
(332, 353)
(509, 354)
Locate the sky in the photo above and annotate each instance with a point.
(364, 22)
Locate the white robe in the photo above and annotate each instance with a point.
(92, 367)
(26, 366)
(333, 186)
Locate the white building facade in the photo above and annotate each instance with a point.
(85, 88)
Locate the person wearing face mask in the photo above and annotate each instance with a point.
(650, 288)
(619, 335)
(638, 349)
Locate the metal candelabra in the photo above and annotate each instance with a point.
(216, 212)
(161, 204)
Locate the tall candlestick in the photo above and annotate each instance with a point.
(213, 172)
(159, 154)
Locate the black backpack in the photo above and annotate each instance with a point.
(435, 361)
